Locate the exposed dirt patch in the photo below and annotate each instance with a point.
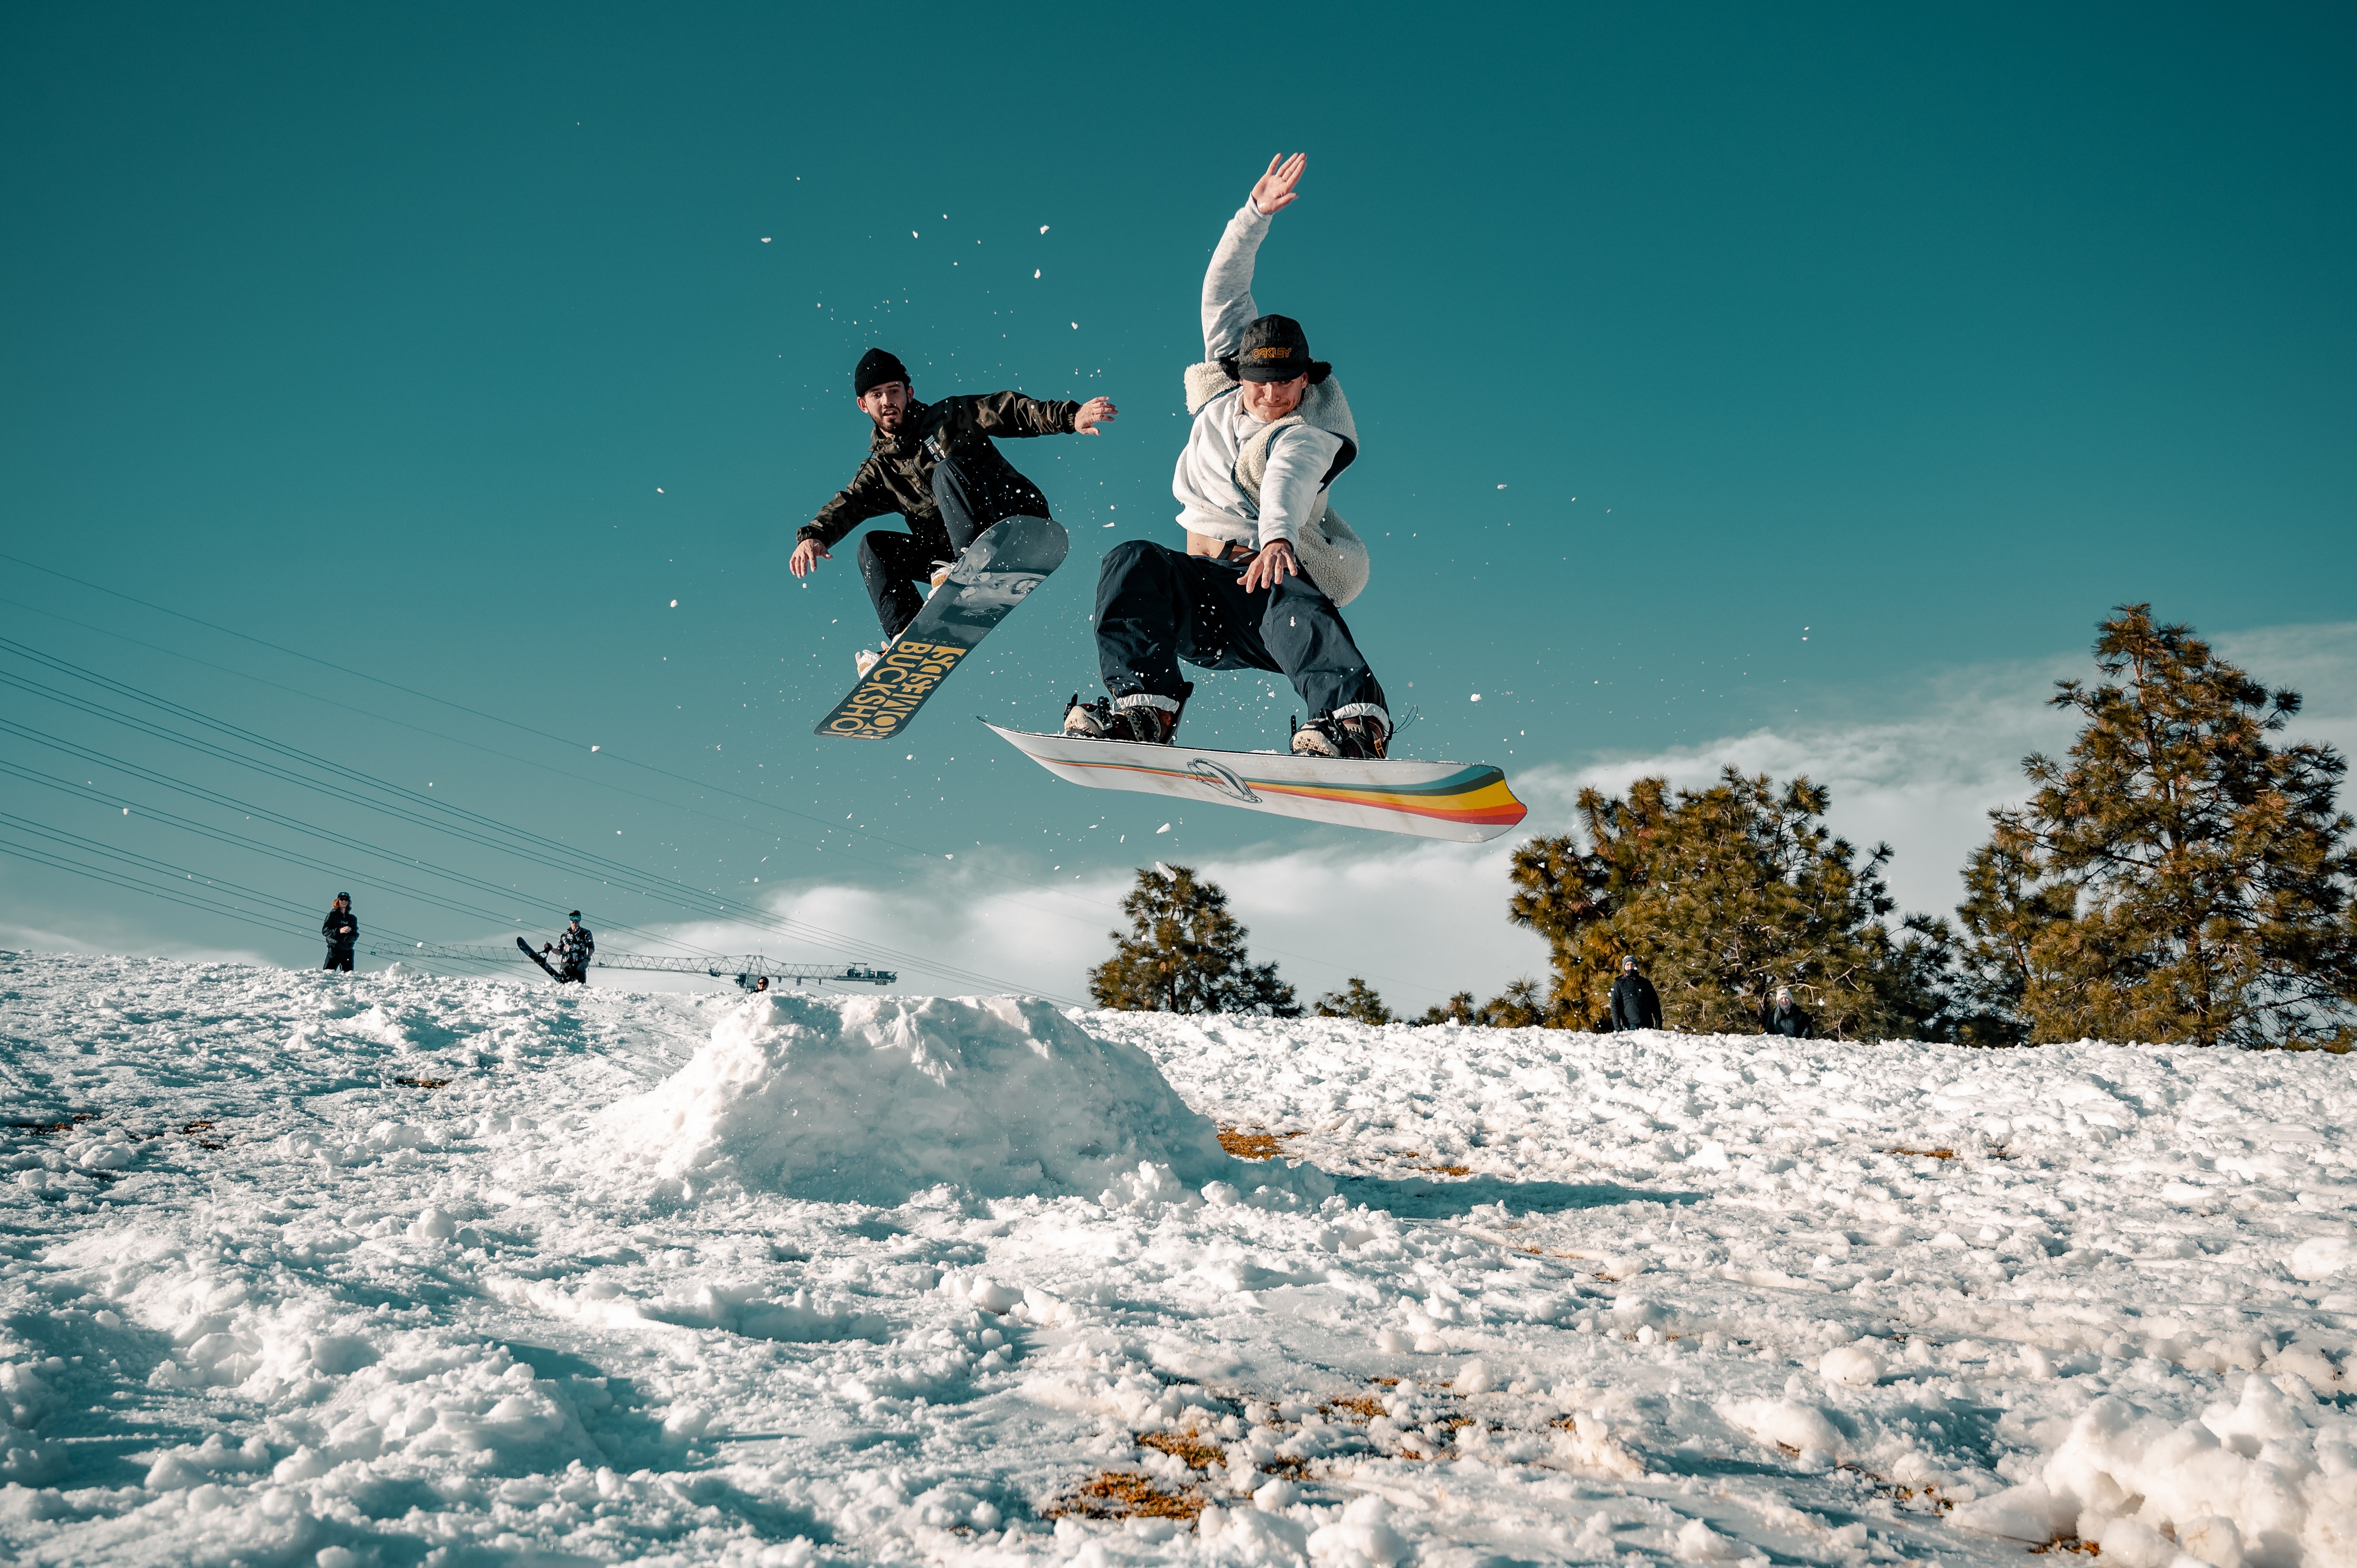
(1184, 1446)
(423, 1082)
(192, 1130)
(43, 1129)
(1358, 1406)
(1924, 1153)
(1254, 1143)
(1125, 1494)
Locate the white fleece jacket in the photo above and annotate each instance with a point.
(1210, 500)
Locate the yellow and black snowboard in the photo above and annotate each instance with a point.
(997, 571)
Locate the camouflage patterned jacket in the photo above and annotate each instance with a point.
(899, 474)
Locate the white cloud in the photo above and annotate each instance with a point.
(117, 936)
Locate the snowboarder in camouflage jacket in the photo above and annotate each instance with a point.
(574, 950)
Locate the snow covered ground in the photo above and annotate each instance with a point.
(303, 1267)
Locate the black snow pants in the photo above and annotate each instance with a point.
(891, 565)
(339, 957)
(1157, 606)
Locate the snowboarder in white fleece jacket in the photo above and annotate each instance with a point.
(1267, 561)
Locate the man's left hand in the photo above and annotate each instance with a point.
(1273, 563)
(1092, 413)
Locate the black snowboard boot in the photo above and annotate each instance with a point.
(1102, 719)
(1362, 737)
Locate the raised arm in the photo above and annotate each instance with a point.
(1228, 304)
(1004, 414)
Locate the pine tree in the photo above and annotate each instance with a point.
(1185, 953)
(1458, 1009)
(2178, 876)
(1725, 894)
(1357, 1000)
(1519, 1006)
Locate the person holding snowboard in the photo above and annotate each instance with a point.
(935, 464)
(1267, 563)
(573, 949)
(1784, 1016)
(1635, 1003)
(343, 933)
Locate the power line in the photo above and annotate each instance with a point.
(183, 896)
(472, 827)
(567, 773)
(1097, 910)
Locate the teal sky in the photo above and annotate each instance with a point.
(1718, 368)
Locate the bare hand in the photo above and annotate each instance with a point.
(1273, 563)
(1274, 190)
(1092, 413)
(807, 556)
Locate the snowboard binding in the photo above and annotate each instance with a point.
(1140, 722)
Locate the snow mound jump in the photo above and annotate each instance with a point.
(872, 1100)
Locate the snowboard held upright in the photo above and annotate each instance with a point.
(545, 968)
(997, 571)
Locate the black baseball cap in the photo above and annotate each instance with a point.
(1275, 349)
(345, 897)
(574, 916)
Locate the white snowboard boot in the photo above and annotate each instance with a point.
(1361, 737)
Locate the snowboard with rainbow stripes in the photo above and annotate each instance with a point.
(1466, 801)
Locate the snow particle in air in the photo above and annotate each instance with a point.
(1477, 696)
(1035, 272)
(593, 748)
(1043, 228)
(1502, 487)
(675, 604)
(1163, 829)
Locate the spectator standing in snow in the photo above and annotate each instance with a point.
(1783, 1016)
(343, 933)
(933, 463)
(1266, 565)
(573, 949)
(1635, 1003)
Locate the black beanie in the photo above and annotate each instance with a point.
(875, 368)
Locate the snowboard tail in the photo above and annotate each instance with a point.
(997, 571)
(1466, 802)
(527, 950)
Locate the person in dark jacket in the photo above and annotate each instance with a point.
(1635, 1003)
(573, 948)
(1784, 1016)
(935, 464)
(343, 933)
